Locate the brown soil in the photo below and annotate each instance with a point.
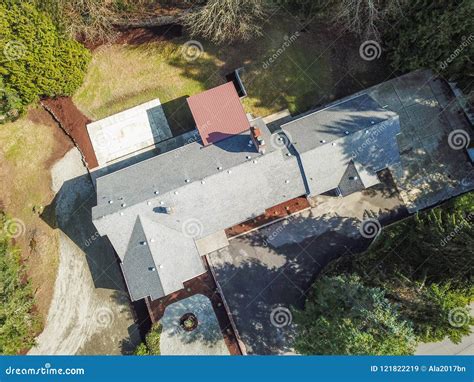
(136, 36)
(64, 143)
(205, 285)
(274, 213)
(73, 122)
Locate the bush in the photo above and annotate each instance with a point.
(424, 264)
(35, 59)
(152, 342)
(227, 21)
(435, 246)
(428, 34)
(343, 316)
(18, 321)
(441, 312)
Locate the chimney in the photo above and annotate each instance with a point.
(257, 139)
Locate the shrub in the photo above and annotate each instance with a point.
(429, 34)
(227, 21)
(35, 59)
(441, 312)
(343, 316)
(151, 346)
(424, 264)
(18, 321)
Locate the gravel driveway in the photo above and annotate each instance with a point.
(90, 312)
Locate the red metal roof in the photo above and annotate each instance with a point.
(218, 113)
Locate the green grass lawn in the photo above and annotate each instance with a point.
(308, 72)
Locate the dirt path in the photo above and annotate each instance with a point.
(73, 122)
(85, 317)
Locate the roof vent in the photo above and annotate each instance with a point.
(322, 141)
(346, 132)
(143, 243)
(111, 201)
(248, 157)
(334, 143)
(124, 204)
(187, 180)
(121, 213)
(288, 154)
(148, 203)
(219, 168)
(169, 210)
(203, 182)
(287, 181)
(176, 192)
(157, 192)
(151, 269)
(229, 172)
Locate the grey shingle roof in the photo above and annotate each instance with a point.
(208, 189)
(350, 181)
(138, 259)
(357, 129)
(213, 199)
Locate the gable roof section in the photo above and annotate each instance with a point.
(174, 254)
(358, 129)
(158, 260)
(218, 113)
(139, 268)
(339, 120)
(223, 184)
(229, 182)
(350, 181)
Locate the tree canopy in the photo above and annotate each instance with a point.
(226, 21)
(424, 264)
(18, 321)
(151, 346)
(35, 58)
(433, 34)
(342, 316)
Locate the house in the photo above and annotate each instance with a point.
(163, 214)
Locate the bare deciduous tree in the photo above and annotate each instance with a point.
(364, 17)
(89, 19)
(226, 20)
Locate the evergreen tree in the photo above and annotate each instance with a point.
(35, 58)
